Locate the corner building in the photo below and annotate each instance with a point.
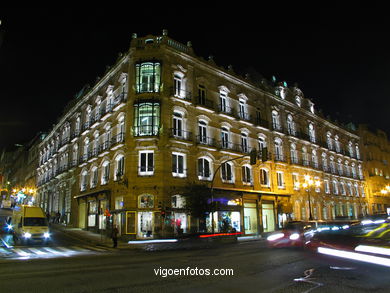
(163, 119)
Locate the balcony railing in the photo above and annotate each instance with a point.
(180, 134)
(209, 141)
(201, 101)
(181, 94)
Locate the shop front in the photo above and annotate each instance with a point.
(94, 210)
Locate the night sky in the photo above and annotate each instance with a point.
(46, 57)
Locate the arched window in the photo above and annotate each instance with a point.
(243, 110)
(244, 143)
(148, 77)
(305, 157)
(246, 174)
(177, 125)
(324, 162)
(202, 130)
(227, 172)
(357, 152)
(314, 159)
(294, 154)
(83, 180)
(290, 125)
(119, 166)
(332, 165)
(264, 177)
(225, 141)
(278, 150)
(350, 149)
(340, 167)
(335, 188)
(276, 120)
(329, 140)
(94, 177)
(337, 143)
(205, 168)
(105, 172)
(312, 133)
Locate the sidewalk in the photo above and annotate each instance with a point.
(91, 238)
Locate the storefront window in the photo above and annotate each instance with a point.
(250, 218)
(225, 221)
(145, 224)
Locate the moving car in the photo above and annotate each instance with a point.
(28, 223)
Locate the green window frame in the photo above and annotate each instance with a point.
(146, 118)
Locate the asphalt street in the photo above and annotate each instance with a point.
(246, 267)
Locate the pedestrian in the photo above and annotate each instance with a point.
(114, 236)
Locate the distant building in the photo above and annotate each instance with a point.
(162, 119)
(376, 156)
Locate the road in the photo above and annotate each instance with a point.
(252, 268)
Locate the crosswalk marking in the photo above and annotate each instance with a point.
(45, 251)
(37, 251)
(21, 252)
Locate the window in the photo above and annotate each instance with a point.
(146, 118)
(202, 127)
(246, 174)
(83, 180)
(201, 95)
(295, 180)
(225, 138)
(340, 167)
(177, 130)
(105, 172)
(262, 143)
(223, 105)
(350, 149)
(326, 186)
(146, 201)
(324, 162)
(178, 81)
(119, 166)
(94, 177)
(148, 77)
(244, 143)
(276, 121)
(227, 172)
(337, 143)
(178, 165)
(146, 163)
(298, 101)
(312, 134)
(342, 188)
(335, 188)
(314, 159)
(329, 140)
(204, 169)
(357, 152)
(305, 157)
(264, 177)
(356, 189)
(280, 179)
(290, 125)
(332, 165)
(278, 150)
(242, 110)
(294, 154)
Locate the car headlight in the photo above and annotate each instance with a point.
(275, 236)
(294, 236)
(27, 235)
(9, 227)
(46, 235)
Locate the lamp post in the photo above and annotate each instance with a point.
(309, 182)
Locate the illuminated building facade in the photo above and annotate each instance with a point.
(163, 119)
(376, 157)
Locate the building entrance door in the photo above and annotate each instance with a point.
(82, 210)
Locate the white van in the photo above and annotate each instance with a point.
(29, 223)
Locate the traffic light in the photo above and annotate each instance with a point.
(253, 156)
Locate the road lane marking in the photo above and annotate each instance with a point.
(52, 250)
(21, 252)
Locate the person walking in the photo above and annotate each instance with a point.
(114, 236)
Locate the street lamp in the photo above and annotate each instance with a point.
(309, 182)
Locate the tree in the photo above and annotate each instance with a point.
(198, 202)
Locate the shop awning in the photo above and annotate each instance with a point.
(95, 193)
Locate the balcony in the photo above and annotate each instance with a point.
(180, 134)
(117, 141)
(205, 104)
(240, 148)
(277, 127)
(224, 109)
(204, 140)
(181, 95)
